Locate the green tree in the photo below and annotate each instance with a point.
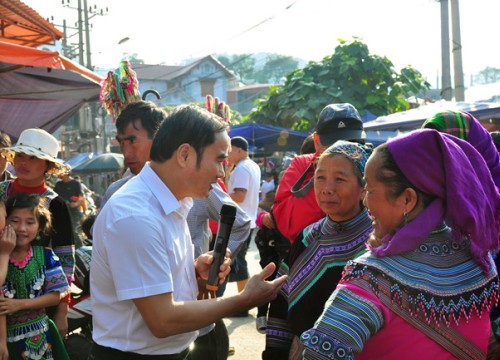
(351, 74)
(135, 60)
(488, 75)
(243, 65)
(276, 68)
(224, 60)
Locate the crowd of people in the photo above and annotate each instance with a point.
(367, 252)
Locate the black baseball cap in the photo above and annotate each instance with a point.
(339, 122)
(239, 142)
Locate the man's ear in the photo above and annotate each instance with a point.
(182, 154)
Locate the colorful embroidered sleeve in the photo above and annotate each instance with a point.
(66, 255)
(55, 279)
(347, 322)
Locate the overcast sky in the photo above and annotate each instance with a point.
(165, 31)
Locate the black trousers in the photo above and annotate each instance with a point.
(99, 352)
(212, 346)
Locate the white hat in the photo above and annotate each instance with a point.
(38, 143)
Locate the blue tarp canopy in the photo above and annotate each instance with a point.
(385, 127)
(269, 138)
(379, 137)
(413, 119)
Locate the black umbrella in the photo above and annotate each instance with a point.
(108, 162)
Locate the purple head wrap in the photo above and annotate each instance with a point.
(467, 127)
(455, 173)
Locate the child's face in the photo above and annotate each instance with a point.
(25, 225)
(3, 215)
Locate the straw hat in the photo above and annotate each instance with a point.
(40, 144)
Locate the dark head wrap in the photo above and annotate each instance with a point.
(466, 127)
(456, 174)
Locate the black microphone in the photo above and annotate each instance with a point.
(227, 216)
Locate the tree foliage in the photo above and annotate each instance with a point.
(275, 69)
(135, 60)
(243, 65)
(351, 74)
(488, 75)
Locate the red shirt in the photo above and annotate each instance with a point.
(291, 212)
(214, 225)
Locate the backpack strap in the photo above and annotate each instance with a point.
(300, 191)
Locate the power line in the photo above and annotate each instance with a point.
(257, 25)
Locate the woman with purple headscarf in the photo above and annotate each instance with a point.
(425, 288)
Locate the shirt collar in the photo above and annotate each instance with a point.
(165, 197)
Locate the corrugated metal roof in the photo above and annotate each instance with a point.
(20, 24)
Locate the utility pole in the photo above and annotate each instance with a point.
(80, 33)
(445, 52)
(89, 112)
(82, 26)
(457, 52)
(87, 35)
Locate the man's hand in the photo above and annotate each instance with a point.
(204, 261)
(203, 292)
(259, 291)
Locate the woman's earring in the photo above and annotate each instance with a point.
(405, 217)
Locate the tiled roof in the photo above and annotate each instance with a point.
(21, 25)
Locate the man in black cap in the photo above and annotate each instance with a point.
(295, 204)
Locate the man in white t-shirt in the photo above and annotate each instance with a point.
(144, 275)
(267, 184)
(243, 187)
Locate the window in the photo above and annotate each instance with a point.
(207, 87)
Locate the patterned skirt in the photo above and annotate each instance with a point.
(46, 345)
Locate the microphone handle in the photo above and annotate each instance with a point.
(219, 254)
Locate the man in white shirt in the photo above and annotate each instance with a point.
(267, 184)
(144, 275)
(243, 187)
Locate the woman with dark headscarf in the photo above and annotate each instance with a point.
(425, 288)
(317, 258)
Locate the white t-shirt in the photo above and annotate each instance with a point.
(266, 187)
(246, 175)
(141, 248)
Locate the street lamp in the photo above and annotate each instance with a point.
(124, 40)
